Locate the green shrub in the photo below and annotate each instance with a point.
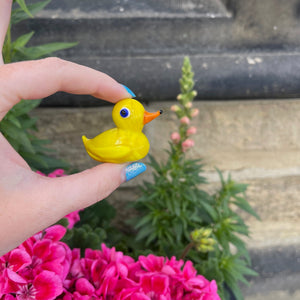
(18, 126)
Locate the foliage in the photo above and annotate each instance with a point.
(18, 126)
(178, 218)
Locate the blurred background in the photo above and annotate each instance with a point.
(246, 59)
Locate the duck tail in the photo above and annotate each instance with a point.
(84, 139)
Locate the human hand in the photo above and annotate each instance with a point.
(30, 202)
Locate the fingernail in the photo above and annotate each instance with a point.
(134, 170)
(129, 91)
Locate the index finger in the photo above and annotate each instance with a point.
(41, 78)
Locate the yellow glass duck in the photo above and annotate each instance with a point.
(126, 142)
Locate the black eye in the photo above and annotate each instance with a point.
(124, 112)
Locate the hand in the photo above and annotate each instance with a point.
(30, 202)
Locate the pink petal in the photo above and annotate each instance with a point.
(152, 262)
(42, 248)
(48, 286)
(18, 259)
(160, 284)
(13, 276)
(84, 287)
(55, 232)
(139, 296)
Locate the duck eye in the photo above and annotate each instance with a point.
(124, 112)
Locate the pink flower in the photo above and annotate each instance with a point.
(73, 218)
(192, 130)
(195, 112)
(45, 268)
(10, 265)
(45, 286)
(57, 173)
(187, 144)
(155, 286)
(185, 120)
(175, 137)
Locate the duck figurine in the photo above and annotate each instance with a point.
(126, 142)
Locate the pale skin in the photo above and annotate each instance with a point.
(30, 202)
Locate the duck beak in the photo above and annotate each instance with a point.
(148, 117)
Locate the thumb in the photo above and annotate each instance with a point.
(42, 201)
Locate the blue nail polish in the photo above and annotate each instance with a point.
(129, 91)
(134, 170)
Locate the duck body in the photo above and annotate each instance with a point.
(126, 142)
(117, 146)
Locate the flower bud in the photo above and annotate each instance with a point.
(179, 97)
(189, 105)
(185, 120)
(194, 93)
(175, 108)
(191, 130)
(195, 112)
(175, 137)
(187, 144)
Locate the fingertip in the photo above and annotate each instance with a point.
(133, 170)
(129, 91)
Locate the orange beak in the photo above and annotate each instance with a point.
(148, 117)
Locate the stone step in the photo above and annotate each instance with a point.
(142, 44)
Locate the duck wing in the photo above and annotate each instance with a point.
(117, 154)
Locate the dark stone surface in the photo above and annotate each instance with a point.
(278, 269)
(239, 49)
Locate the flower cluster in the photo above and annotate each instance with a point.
(185, 111)
(45, 268)
(36, 269)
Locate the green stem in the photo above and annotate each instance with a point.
(187, 250)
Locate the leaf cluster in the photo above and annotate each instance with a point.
(18, 126)
(95, 227)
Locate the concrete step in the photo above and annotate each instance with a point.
(142, 44)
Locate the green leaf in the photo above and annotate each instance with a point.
(144, 232)
(11, 131)
(24, 107)
(42, 50)
(244, 205)
(35, 161)
(19, 15)
(210, 209)
(143, 221)
(22, 40)
(24, 7)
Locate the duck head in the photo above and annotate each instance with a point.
(130, 114)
